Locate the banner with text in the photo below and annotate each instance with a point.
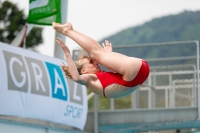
(44, 12)
(34, 86)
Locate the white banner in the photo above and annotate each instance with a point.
(34, 86)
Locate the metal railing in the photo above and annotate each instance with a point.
(173, 81)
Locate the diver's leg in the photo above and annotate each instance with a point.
(126, 66)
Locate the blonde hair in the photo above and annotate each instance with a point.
(79, 65)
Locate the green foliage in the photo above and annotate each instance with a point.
(104, 103)
(12, 20)
(34, 37)
(180, 27)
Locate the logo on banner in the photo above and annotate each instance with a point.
(18, 76)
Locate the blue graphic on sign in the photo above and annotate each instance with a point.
(59, 89)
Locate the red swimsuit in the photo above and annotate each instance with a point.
(108, 78)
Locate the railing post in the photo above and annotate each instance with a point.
(149, 90)
(153, 91)
(96, 115)
(47, 130)
(112, 104)
(198, 91)
(194, 91)
(171, 94)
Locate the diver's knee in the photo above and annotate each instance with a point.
(95, 54)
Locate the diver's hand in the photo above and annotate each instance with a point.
(107, 46)
(62, 45)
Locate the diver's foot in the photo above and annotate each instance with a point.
(63, 29)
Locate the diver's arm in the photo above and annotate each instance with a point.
(82, 79)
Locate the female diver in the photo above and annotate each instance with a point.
(125, 72)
